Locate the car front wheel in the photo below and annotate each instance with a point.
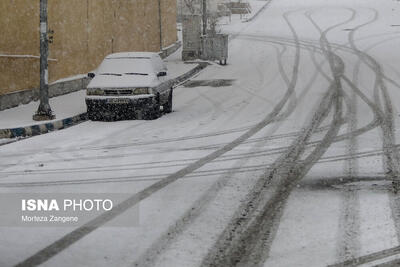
(152, 113)
(93, 114)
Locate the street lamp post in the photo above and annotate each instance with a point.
(44, 111)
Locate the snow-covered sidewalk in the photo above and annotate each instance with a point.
(70, 105)
(239, 21)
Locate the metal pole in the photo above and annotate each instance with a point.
(160, 24)
(204, 17)
(44, 111)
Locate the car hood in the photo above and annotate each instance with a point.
(124, 81)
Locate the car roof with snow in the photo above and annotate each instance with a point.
(128, 69)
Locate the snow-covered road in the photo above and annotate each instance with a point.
(290, 165)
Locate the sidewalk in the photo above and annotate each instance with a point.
(70, 109)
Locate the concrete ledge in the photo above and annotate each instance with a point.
(62, 88)
(44, 128)
(259, 11)
(15, 99)
(170, 50)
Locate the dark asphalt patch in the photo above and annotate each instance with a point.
(210, 83)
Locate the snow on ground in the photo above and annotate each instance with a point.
(343, 207)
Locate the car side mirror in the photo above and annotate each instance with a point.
(91, 75)
(162, 73)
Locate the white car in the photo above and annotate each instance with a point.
(131, 84)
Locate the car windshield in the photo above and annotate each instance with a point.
(126, 66)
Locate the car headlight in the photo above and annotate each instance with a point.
(94, 91)
(141, 91)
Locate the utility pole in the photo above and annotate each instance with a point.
(204, 17)
(44, 111)
(160, 24)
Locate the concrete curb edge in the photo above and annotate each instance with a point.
(38, 129)
(259, 11)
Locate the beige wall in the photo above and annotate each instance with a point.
(168, 21)
(85, 31)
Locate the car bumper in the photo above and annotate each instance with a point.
(109, 103)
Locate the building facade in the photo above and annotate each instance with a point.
(85, 31)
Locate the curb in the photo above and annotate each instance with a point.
(44, 128)
(259, 11)
(39, 129)
(178, 80)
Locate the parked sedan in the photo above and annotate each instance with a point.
(131, 84)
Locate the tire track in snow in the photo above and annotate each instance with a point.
(196, 174)
(377, 119)
(78, 158)
(348, 242)
(307, 44)
(293, 99)
(350, 221)
(247, 239)
(349, 237)
(392, 157)
(391, 154)
(150, 256)
(351, 136)
(255, 218)
(389, 146)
